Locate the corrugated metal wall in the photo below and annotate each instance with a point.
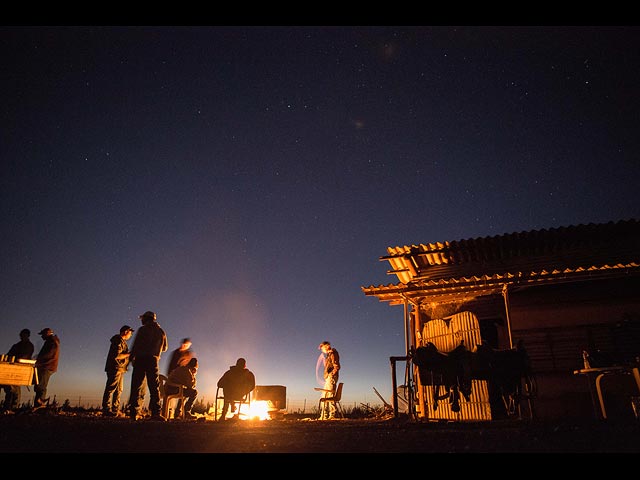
(446, 334)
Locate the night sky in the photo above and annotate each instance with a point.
(243, 182)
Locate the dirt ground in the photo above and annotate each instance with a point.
(46, 432)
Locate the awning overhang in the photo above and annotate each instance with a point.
(421, 290)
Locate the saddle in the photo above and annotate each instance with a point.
(453, 370)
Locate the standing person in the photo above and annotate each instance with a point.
(23, 349)
(331, 373)
(148, 346)
(236, 382)
(185, 375)
(180, 357)
(116, 366)
(46, 365)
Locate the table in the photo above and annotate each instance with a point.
(20, 372)
(595, 376)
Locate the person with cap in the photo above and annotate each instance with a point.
(331, 374)
(180, 357)
(236, 383)
(148, 345)
(23, 349)
(185, 375)
(116, 366)
(46, 365)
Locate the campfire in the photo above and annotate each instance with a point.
(258, 410)
(267, 402)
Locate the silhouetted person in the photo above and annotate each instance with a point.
(148, 346)
(116, 366)
(46, 365)
(185, 375)
(236, 382)
(23, 349)
(180, 357)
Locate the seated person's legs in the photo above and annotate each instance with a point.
(191, 394)
(225, 408)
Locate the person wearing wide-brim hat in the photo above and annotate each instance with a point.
(148, 345)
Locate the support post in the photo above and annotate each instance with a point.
(505, 296)
(394, 383)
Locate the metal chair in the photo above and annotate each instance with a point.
(334, 397)
(246, 400)
(166, 398)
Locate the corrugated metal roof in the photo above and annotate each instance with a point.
(482, 266)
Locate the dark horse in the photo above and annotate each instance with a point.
(504, 371)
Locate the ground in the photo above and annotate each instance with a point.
(60, 432)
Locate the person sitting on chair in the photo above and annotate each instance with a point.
(236, 383)
(185, 375)
(180, 356)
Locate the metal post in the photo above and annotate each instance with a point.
(505, 295)
(394, 382)
(394, 386)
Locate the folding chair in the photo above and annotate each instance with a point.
(246, 400)
(333, 397)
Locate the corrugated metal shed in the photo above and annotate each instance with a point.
(446, 276)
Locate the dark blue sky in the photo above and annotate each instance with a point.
(243, 182)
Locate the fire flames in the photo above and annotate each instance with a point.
(266, 402)
(257, 410)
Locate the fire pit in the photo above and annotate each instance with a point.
(273, 396)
